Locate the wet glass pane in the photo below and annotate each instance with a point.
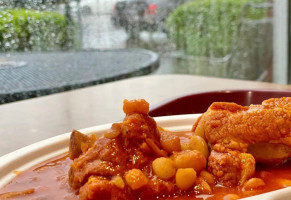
(220, 38)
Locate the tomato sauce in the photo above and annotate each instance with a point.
(49, 180)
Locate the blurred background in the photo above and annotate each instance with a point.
(240, 39)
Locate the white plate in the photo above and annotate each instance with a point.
(31, 155)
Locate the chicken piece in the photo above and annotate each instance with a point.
(235, 131)
(131, 144)
(105, 158)
(232, 167)
(269, 153)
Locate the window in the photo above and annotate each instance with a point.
(46, 45)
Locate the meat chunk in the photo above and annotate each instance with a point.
(232, 167)
(129, 145)
(230, 129)
(80, 143)
(100, 188)
(270, 153)
(105, 158)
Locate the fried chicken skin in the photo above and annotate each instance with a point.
(239, 135)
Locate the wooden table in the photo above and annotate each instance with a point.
(25, 122)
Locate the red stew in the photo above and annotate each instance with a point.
(138, 160)
(49, 180)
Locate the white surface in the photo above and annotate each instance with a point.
(29, 156)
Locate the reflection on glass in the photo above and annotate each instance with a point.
(223, 38)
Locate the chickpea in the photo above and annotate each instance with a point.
(207, 177)
(185, 145)
(118, 182)
(198, 143)
(184, 141)
(190, 159)
(253, 183)
(185, 178)
(231, 197)
(136, 179)
(170, 142)
(164, 168)
(135, 106)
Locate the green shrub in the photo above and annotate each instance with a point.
(207, 27)
(22, 30)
